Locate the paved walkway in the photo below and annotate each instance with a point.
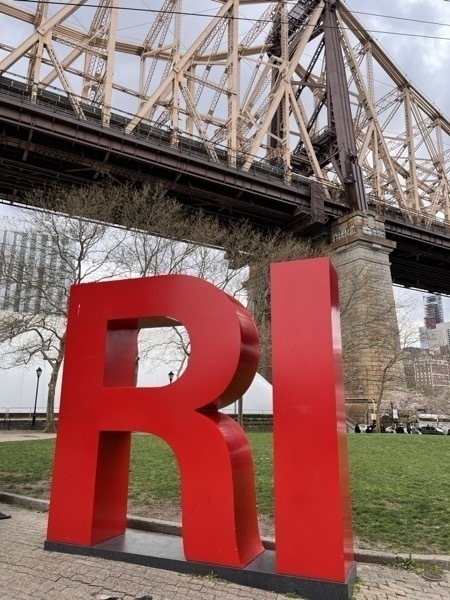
(28, 572)
(16, 435)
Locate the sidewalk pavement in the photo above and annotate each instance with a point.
(18, 435)
(27, 572)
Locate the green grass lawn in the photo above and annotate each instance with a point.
(400, 483)
(401, 490)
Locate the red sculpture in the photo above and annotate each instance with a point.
(312, 490)
(100, 407)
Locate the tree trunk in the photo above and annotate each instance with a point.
(378, 402)
(50, 419)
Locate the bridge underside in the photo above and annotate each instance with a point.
(281, 117)
(40, 146)
(420, 260)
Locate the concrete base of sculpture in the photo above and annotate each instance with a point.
(162, 551)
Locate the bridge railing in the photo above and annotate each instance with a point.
(409, 215)
(56, 100)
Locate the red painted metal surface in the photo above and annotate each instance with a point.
(313, 527)
(100, 406)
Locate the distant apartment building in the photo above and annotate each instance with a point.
(427, 370)
(34, 274)
(433, 339)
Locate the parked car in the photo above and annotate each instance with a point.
(431, 430)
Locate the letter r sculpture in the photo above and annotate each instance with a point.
(101, 407)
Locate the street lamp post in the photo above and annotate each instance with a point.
(171, 376)
(38, 375)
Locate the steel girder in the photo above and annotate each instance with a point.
(300, 84)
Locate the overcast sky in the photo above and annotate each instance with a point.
(424, 59)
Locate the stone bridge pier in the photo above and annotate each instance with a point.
(370, 332)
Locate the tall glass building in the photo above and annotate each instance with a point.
(434, 312)
(34, 272)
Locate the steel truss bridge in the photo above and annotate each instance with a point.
(286, 113)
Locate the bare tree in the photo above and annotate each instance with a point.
(60, 248)
(70, 240)
(234, 257)
(153, 234)
(166, 238)
(439, 405)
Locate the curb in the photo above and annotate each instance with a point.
(24, 501)
(171, 528)
(386, 558)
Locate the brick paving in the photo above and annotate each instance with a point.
(27, 572)
(386, 583)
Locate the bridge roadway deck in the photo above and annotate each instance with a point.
(44, 141)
